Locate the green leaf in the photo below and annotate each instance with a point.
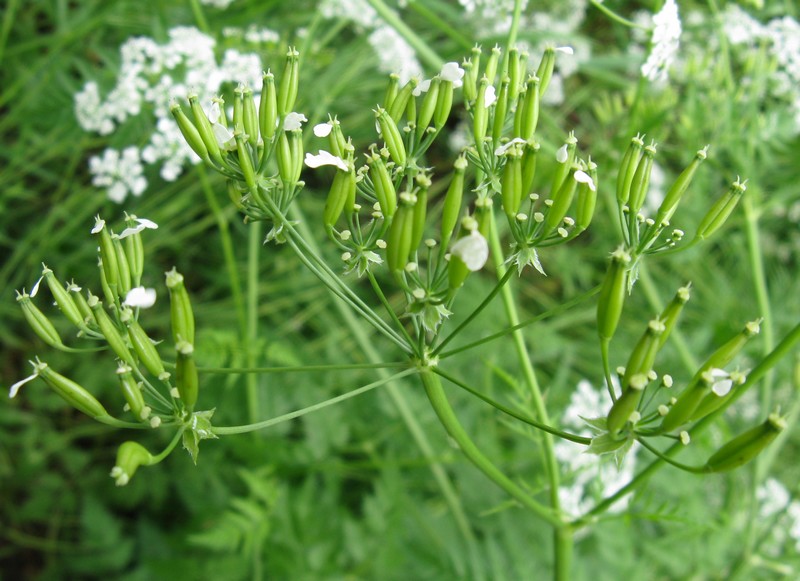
(605, 444)
(198, 428)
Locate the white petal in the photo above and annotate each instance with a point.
(489, 97)
(224, 137)
(147, 223)
(584, 178)
(722, 388)
(472, 249)
(505, 147)
(130, 231)
(35, 288)
(325, 158)
(15, 388)
(98, 225)
(323, 129)
(423, 87)
(452, 72)
(140, 297)
(293, 121)
(565, 49)
(561, 154)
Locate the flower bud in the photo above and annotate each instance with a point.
(627, 403)
(186, 377)
(721, 210)
(641, 179)
(268, 108)
(130, 456)
(401, 233)
(627, 169)
(37, 320)
(189, 131)
(180, 307)
(74, 394)
(452, 201)
(675, 193)
(132, 392)
(392, 137)
(287, 93)
(612, 294)
(204, 129)
(746, 446)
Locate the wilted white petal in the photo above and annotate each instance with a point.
(35, 288)
(323, 129)
(489, 97)
(423, 87)
(98, 225)
(224, 137)
(505, 147)
(325, 158)
(453, 73)
(584, 178)
(565, 49)
(15, 388)
(130, 231)
(472, 249)
(561, 154)
(140, 297)
(147, 223)
(293, 121)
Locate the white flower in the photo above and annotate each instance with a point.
(472, 249)
(489, 97)
(140, 297)
(119, 172)
(325, 158)
(561, 154)
(664, 42)
(395, 55)
(224, 137)
(506, 146)
(293, 121)
(422, 87)
(722, 383)
(98, 225)
(584, 178)
(453, 73)
(141, 224)
(323, 129)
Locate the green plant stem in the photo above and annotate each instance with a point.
(443, 409)
(514, 414)
(562, 548)
(398, 323)
(304, 368)
(616, 17)
(115, 423)
(227, 249)
(199, 16)
(512, 33)
(168, 450)
(252, 427)
(446, 27)
(425, 52)
(253, 247)
(681, 466)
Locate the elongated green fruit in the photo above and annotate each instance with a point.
(511, 183)
(565, 157)
(444, 104)
(124, 268)
(546, 67)
(284, 156)
(401, 233)
(383, 185)
(63, 299)
(470, 87)
(672, 311)
(562, 200)
(37, 320)
(180, 308)
(132, 392)
(746, 446)
(186, 377)
(250, 117)
(203, 126)
(627, 169)
(586, 200)
(392, 137)
(721, 211)
(143, 346)
(343, 187)
(110, 332)
(452, 201)
(529, 156)
(238, 108)
(515, 74)
(627, 404)
(529, 118)
(420, 210)
(428, 108)
(643, 356)
(108, 254)
(480, 112)
(74, 394)
(83, 306)
(134, 254)
(641, 179)
(392, 88)
(400, 102)
(675, 193)
(130, 456)
(287, 93)
(268, 108)
(500, 109)
(296, 148)
(457, 270)
(189, 131)
(612, 294)
(245, 161)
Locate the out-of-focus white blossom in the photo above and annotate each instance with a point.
(120, 173)
(664, 43)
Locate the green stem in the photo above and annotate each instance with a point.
(425, 52)
(199, 16)
(378, 291)
(303, 368)
(253, 247)
(252, 427)
(446, 27)
(114, 422)
(438, 399)
(514, 414)
(563, 553)
(512, 33)
(680, 465)
(168, 450)
(616, 17)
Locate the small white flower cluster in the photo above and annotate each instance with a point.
(394, 54)
(593, 476)
(150, 75)
(664, 43)
(221, 4)
(253, 34)
(775, 502)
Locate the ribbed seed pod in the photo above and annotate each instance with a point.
(134, 256)
(712, 401)
(480, 113)
(296, 148)
(675, 193)
(491, 64)
(612, 294)
(268, 108)
(401, 232)
(452, 201)
(108, 254)
(343, 187)
(627, 404)
(411, 111)
(473, 74)
(132, 392)
(383, 185)
(111, 296)
(238, 108)
(470, 87)
(428, 107)
(643, 356)
(186, 377)
(672, 311)
(641, 180)
(420, 210)
(725, 354)
(74, 394)
(530, 153)
(180, 308)
(444, 104)
(511, 183)
(336, 139)
(627, 169)
(37, 320)
(500, 109)
(746, 446)
(287, 93)
(546, 67)
(457, 270)
(515, 74)
(189, 131)
(250, 117)
(392, 137)
(392, 88)
(284, 156)
(245, 162)
(63, 299)
(529, 114)
(586, 200)
(400, 102)
(110, 331)
(83, 306)
(562, 200)
(203, 126)
(143, 346)
(565, 157)
(124, 268)
(721, 211)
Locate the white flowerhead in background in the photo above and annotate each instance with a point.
(325, 158)
(120, 172)
(140, 297)
(664, 43)
(472, 249)
(293, 121)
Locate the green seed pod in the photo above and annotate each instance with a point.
(124, 286)
(457, 270)
(643, 356)
(480, 112)
(725, 354)
(204, 129)
(721, 210)
(111, 297)
(110, 332)
(452, 201)
(383, 186)
(420, 210)
(268, 108)
(186, 378)
(511, 183)
(223, 115)
(134, 257)
(475, 60)
(401, 232)
(296, 149)
(250, 117)
(562, 200)
(336, 139)
(287, 93)
(530, 153)
(74, 394)
(143, 346)
(132, 392)
(400, 102)
(641, 179)
(83, 306)
(444, 104)
(392, 137)
(284, 156)
(746, 446)
(565, 157)
(63, 299)
(627, 169)
(428, 107)
(491, 64)
(675, 193)
(483, 215)
(470, 86)
(586, 200)
(238, 108)
(108, 254)
(37, 320)
(527, 116)
(343, 187)
(130, 456)
(245, 162)
(545, 70)
(189, 131)
(612, 294)
(411, 112)
(392, 88)
(500, 109)
(627, 404)
(515, 74)
(671, 312)
(180, 308)
(684, 408)
(713, 401)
